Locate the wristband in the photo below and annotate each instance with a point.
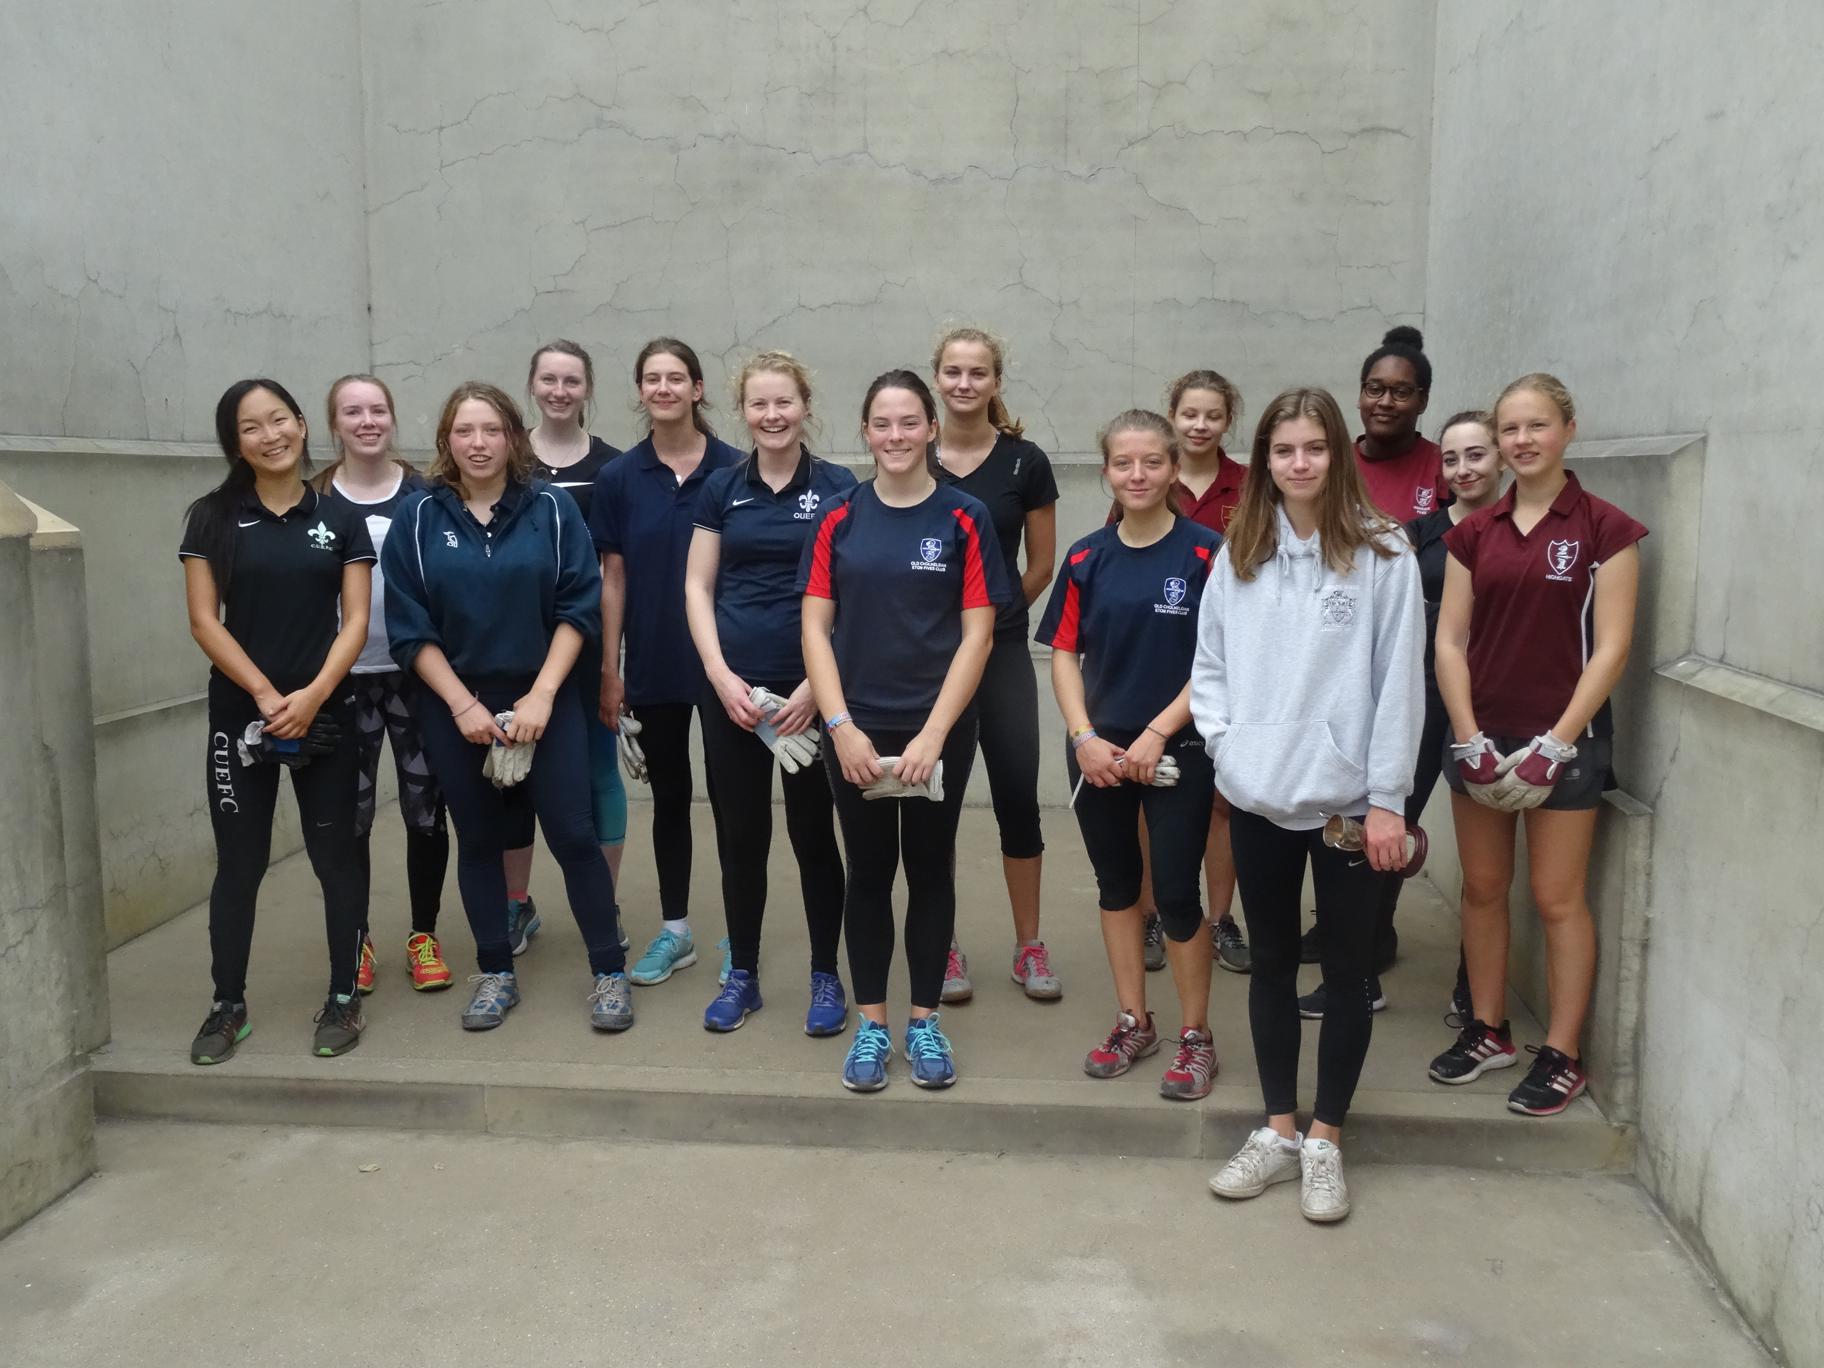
(1156, 732)
(836, 722)
(1077, 738)
(460, 711)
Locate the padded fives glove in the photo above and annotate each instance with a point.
(509, 763)
(889, 785)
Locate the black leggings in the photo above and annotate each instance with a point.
(1270, 872)
(665, 738)
(741, 773)
(559, 789)
(1177, 826)
(1007, 713)
(1425, 771)
(383, 712)
(875, 835)
(241, 803)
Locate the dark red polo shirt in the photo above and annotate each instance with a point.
(1406, 486)
(1533, 624)
(1218, 503)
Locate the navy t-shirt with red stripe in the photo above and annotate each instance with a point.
(1130, 612)
(1532, 626)
(900, 579)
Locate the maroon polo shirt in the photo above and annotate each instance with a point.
(1218, 503)
(1533, 623)
(1406, 486)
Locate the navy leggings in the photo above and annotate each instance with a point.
(559, 789)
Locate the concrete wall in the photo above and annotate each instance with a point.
(1630, 201)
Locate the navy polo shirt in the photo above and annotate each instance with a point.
(641, 513)
(900, 579)
(1130, 612)
(758, 606)
(578, 479)
(283, 597)
(1014, 479)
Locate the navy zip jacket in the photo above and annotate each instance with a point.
(491, 597)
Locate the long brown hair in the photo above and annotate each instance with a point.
(520, 458)
(563, 346)
(320, 482)
(1346, 520)
(998, 416)
(670, 346)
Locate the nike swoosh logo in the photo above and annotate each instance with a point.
(254, 523)
(738, 502)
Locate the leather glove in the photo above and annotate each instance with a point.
(890, 786)
(257, 748)
(1528, 776)
(793, 752)
(509, 763)
(324, 736)
(1478, 762)
(633, 759)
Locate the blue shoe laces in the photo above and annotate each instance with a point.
(872, 1045)
(927, 1041)
(734, 992)
(826, 991)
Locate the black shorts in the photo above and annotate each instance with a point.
(1581, 783)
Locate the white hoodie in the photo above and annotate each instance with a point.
(1308, 685)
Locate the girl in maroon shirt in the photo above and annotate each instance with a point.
(1404, 471)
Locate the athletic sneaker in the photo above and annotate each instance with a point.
(620, 931)
(1231, 947)
(667, 953)
(1322, 1194)
(1552, 1084)
(1032, 971)
(1192, 1071)
(739, 997)
(364, 969)
(424, 958)
(339, 1025)
(495, 995)
(1155, 943)
(829, 1010)
(1479, 1048)
(1311, 1005)
(522, 923)
(1311, 946)
(1264, 1160)
(728, 960)
(957, 987)
(929, 1054)
(1126, 1043)
(224, 1028)
(865, 1070)
(611, 1003)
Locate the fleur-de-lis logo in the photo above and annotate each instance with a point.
(808, 501)
(322, 536)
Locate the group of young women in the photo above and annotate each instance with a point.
(1260, 668)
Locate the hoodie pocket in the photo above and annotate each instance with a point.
(1286, 769)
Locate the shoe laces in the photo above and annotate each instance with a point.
(666, 942)
(927, 1041)
(872, 1045)
(1324, 1172)
(1227, 933)
(1155, 930)
(1034, 961)
(1547, 1062)
(954, 966)
(336, 1012)
(220, 1018)
(1457, 1021)
(1253, 1156)
(609, 991)
(490, 990)
(734, 991)
(426, 953)
(1189, 1048)
(826, 990)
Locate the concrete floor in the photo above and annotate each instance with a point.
(273, 1247)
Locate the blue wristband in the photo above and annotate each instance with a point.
(836, 722)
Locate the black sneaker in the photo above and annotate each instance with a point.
(1462, 1005)
(1552, 1084)
(339, 1026)
(523, 923)
(1479, 1048)
(224, 1028)
(1155, 943)
(1230, 946)
(1311, 946)
(1311, 1005)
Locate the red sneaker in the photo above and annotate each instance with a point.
(1193, 1069)
(1126, 1043)
(364, 972)
(424, 957)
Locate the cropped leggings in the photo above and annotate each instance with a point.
(1007, 710)
(876, 836)
(1177, 827)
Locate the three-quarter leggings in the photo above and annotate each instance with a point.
(1270, 873)
(1007, 717)
(665, 739)
(559, 789)
(876, 836)
(241, 803)
(383, 712)
(741, 768)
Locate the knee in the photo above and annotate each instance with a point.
(1560, 907)
(1181, 922)
(1485, 890)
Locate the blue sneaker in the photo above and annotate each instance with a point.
(865, 1070)
(929, 1054)
(829, 1008)
(495, 995)
(666, 953)
(739, 996)
(611, 1003)
(728, 960)
(522, 923)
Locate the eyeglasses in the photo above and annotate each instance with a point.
(1374, 389)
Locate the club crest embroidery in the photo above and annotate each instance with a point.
(449, 539)
(1336, 609)
(1174, 591)
(1560, 559)
(930, 548)
(1424, 500)
(321, 536)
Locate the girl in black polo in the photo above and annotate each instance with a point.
(900, 581)
(985, 454)
(267, 564)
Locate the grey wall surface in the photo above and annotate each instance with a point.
(1634, 204)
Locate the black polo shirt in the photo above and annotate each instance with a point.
(758, 607)
(1427, 537)
(285, 594)
(578, 479)
(1015, 479)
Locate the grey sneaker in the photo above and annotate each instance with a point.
(957, 987)
(611, 1003)
(1155, 944)
(1230, 946)
(1264, 1160)
(1322, 1195)
(339, 1025)
(494, 995)
(1032, 971)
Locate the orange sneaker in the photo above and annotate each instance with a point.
(424, 957)
(364, 973)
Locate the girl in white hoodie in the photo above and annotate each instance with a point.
(1308, 689)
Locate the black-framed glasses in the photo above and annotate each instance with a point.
(1375, 389)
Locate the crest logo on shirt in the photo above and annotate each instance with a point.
(930, 548)
(807, 505)
(1174, 591)
(321, 536)
(449, 539)
(1560, 558)
(1336, 609)
(1424, 500)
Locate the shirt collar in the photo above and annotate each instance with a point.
(1566, 501)
(307, 503)
(801, 476)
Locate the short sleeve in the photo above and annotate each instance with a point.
(710, 503)
(356, 544)
(817, 566)
(984, 572)
(1615, 530)
(605, 510)
(1059, 628)
(1038, 486)
(1463, 539)
(196, 541)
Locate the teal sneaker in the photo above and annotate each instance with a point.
(522, 924)
(865, 1070)
(668, 952)
(728, 961)
(928, 1051)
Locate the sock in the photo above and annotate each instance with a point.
(344, 998)
(680, 928)
(521, 896)
(1027, 944)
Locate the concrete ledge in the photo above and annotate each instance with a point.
(1788, 702)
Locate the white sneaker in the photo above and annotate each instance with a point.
(1323, 1195)
(1265, 1159)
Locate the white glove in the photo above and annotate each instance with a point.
(889, 784)
(510, 762)
(633, 759)
(1478, 762)
(1165, 773)
(794, 752)
(1526, 777)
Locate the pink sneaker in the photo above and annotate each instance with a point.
(1032, 971)
(1193, 1069)
(1126, 1043)
(957, 987)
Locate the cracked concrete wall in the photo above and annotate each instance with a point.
(1631, 202)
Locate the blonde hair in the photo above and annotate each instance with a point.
(520, 458)
(321, 480)
(1346, 519)
(1540, 383)
(998, 416)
